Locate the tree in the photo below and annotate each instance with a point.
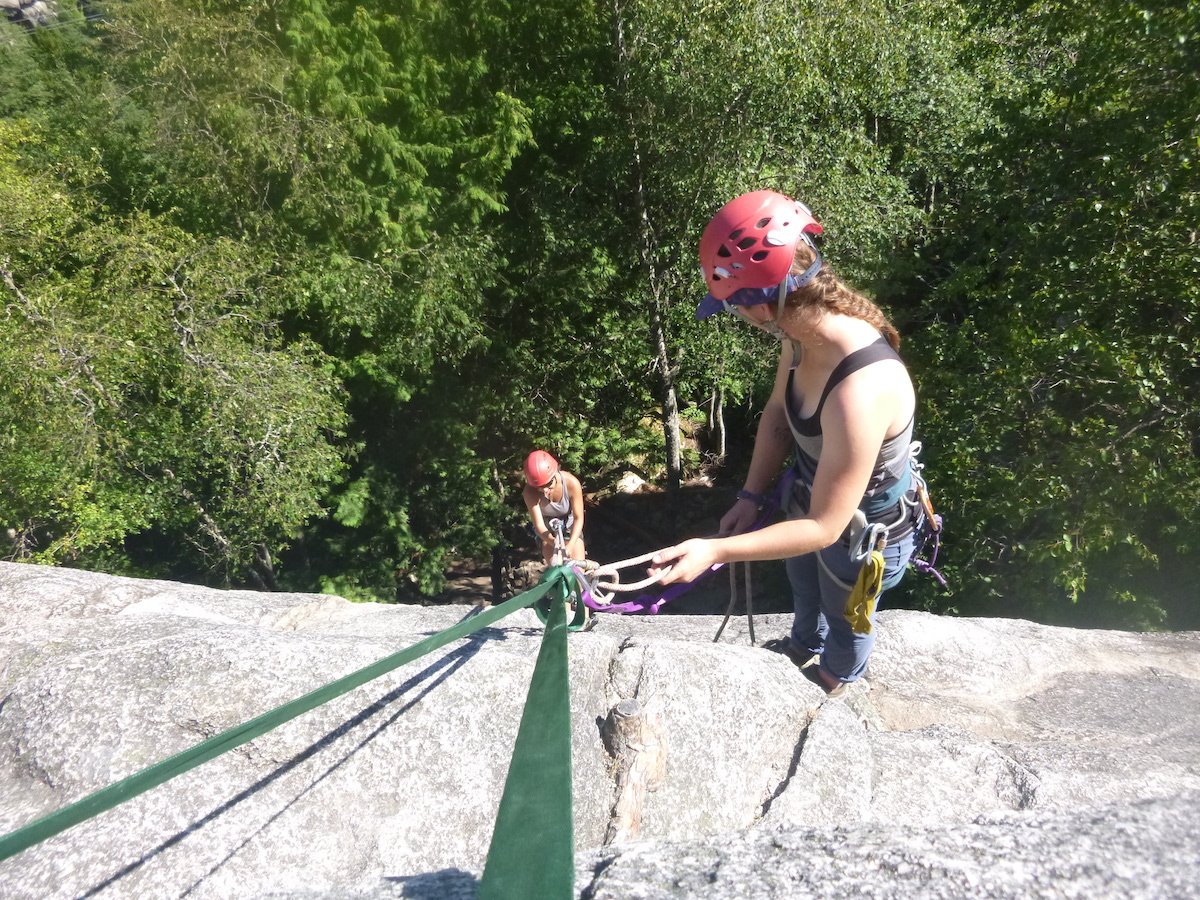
(146, 397)
(359, 149)
(686, 105)
(1062, 344)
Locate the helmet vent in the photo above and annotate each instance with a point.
(751, 243)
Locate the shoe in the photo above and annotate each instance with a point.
(784, 645)
(827, 682)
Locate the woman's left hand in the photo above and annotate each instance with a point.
(684, 562)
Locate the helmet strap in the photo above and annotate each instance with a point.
(794, 283)
(786, 286)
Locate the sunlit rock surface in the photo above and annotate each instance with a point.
(981, 757)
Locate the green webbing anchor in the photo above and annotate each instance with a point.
(532, 854)
(126, 789)
(565, 575)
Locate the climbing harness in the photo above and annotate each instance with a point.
(573, 570)
(928, 537)
(867, 541)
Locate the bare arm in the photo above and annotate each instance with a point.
(772, 442)
(575, 492)
(533, 504)
(854, 424)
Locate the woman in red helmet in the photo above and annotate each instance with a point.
(842, 405)
(553, 495)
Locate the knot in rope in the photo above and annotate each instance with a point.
(606, 580)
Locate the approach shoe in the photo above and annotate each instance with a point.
(799, 657)
(826, 681)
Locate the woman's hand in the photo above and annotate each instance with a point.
(684, 562)
(741, 517)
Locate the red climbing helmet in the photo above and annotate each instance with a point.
(540, 467)
(750, 243)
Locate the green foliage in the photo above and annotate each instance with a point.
(648, 117)
(292, 286)
(144, 398)
(1060, 364)
(350, 156)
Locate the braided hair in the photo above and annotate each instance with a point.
(828, 293)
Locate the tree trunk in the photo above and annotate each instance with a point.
(670, 403)
(716, 422)
(263, 568)
(647, 253)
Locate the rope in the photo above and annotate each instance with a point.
(115, 794)
(598, 586)
(596, 598)
(598, 593)
(733, 596)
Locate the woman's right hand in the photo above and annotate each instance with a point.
(684, 562)
(741, 517)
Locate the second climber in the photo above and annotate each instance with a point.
(553, 497)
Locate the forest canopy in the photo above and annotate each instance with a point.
(290, 287)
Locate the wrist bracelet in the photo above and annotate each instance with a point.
(756, 499)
